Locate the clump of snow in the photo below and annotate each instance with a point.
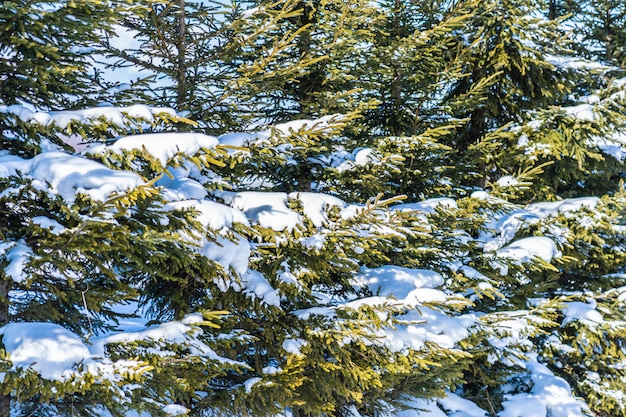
(47, 223)
(17, 255)
(257, 286)
(411, 288)
(316, 204)
(269, 209)
(398, 282)
(427, 325)
(175, 410)
(294, 346)
(230, 253)
(237, 139)
(550, 396)
(460, 407)
(314, 242)
(161, 146)
(211, 214)
(570, 205)
(615, 146)
(577, 310)
(46, 348)
(345, 161)
(524, 250)
(115, 115)
(480, 195)
(179, 186)
(505, 227)
(428, 206)
(581, 111)
(508, 181)
(575, 63)
(174, 332)
(249, 383)
(69, 175)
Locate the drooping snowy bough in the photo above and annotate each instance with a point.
(139, 277)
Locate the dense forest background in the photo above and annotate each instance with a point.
(313, 208)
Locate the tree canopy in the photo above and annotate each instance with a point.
(312, 208)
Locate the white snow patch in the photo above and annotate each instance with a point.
(507, 181)
(47, 348)
(269, 209)
(316, 204)
(577, 310)
(428, 206)
(250, 383)
(162, 146)
(68, 175)
(44, 222)
(570, 205)
(581, 111)
(294, 346)
(524, 250)
(17, 256)
(460, 407)
(550, 396)
(175, 410)
(257, 286)
(398, 282)
(210, 214)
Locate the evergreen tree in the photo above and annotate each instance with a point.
(505, 48)
(603, 27)
(266, 297)
(46, 47)
(216, 63)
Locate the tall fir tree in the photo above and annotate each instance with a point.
(602, 23)
(218, 64)
(268, 299)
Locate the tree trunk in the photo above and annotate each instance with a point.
(552, 11)
(608, 33)
(181, 78)
(5, 400)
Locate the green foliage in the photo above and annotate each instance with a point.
(45, 49)
(407, 100)
(603, 30)
(211, 61)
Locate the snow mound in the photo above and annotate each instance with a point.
(161, 146)
(524, 250)
(550, 396)
(46, 348)
(269, 209)
(398, 282)
(315, 205)
(68, 175)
